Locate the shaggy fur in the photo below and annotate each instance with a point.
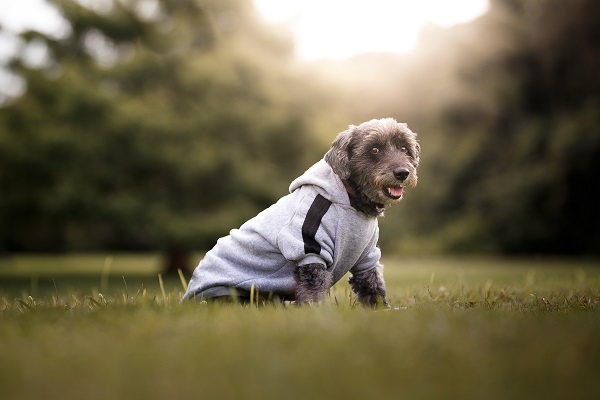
(373, 158)
(376, 160)
(312, 282)
(370, 287)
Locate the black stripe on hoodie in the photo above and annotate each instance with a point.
(312, 222)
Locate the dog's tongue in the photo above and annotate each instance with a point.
(396, 191)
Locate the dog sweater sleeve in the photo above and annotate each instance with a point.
(370, 257)
(304, 239)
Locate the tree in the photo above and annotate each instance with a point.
(525, 152)
(507, 109)
(153, 125)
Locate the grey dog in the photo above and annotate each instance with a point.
(327, 226)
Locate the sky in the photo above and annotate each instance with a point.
(343, 28)
(20, 15)
(322, 28)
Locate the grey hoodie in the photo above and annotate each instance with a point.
(313, 224)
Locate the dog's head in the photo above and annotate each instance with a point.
(378, 159)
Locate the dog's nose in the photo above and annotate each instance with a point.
(401, 173)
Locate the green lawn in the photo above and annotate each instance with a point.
(459, 329)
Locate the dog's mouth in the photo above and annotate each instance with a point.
(394, 192)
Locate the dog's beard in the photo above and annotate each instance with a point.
(372, 200)
(385, 196)
(374, 192)
(383, 189)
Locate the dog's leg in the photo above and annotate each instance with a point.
(312, 282)
(369, 286)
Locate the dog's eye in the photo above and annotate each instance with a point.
(404, 149)
(374, 150)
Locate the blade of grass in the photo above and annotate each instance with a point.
(24, 304)
(55, 296)
(162, 288)
(182, 279)
(126, 294)
(94, 301)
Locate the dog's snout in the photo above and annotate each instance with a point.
(401, 173)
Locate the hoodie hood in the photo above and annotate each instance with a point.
(327, 183)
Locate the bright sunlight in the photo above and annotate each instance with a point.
(344, 28)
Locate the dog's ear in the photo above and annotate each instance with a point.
(412, 139)
(337, 156)
(417, 155)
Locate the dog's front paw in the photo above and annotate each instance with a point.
(386, 303)
(312, 283)
(369, 287)
(373, 300)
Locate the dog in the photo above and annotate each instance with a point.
(327, 226)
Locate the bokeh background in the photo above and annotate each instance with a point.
(141, 125)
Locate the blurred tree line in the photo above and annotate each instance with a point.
(159, 124)
(151, 125)
(508, 107)
(527, 172)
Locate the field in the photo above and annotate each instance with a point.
(95, 327)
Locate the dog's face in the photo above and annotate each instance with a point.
(379, 158)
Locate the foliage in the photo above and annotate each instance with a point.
(153, 127)
(507, 108)
(464, 328)
(532, 131)
(148, 130)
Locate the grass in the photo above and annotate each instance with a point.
(459, 329)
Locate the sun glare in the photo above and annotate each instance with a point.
(344, 28)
